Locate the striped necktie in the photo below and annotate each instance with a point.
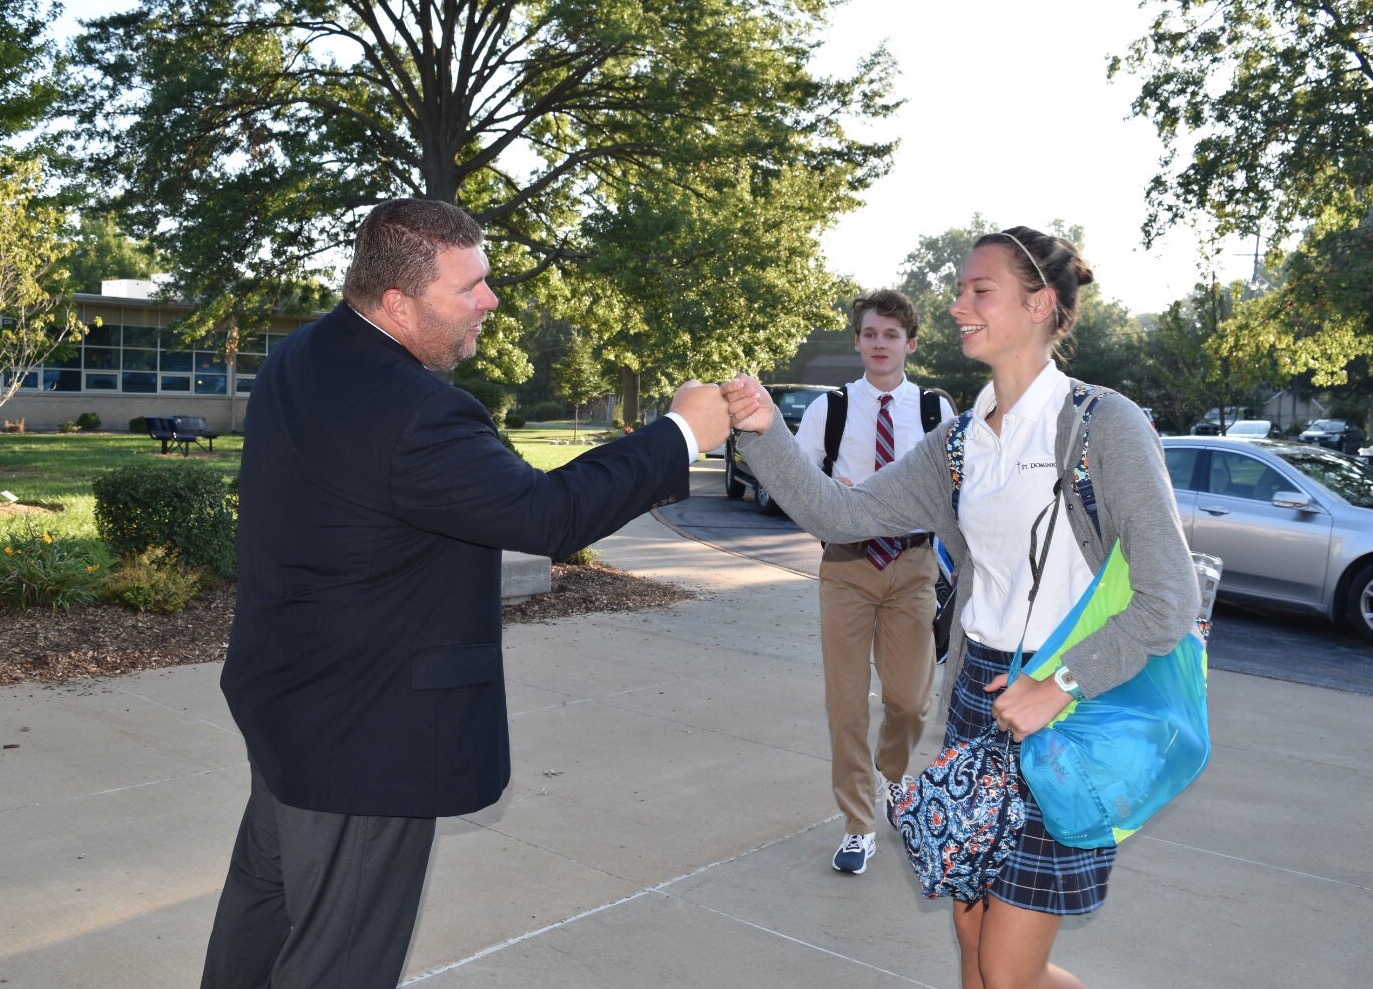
(883, 550)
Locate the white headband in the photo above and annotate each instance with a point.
(1038, 271)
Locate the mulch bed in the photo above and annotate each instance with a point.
(56, 647)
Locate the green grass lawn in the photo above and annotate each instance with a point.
(54, 470)
(547, 445)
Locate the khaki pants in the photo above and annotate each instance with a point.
(882, 616)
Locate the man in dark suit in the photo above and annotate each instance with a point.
(364, 668)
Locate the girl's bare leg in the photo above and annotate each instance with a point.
(1007, 947)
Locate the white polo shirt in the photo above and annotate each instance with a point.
(1007, 481)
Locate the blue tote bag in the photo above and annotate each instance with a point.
(1106, 765)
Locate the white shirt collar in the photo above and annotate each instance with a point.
(873, 393)
(373, 325)
(1044, 394)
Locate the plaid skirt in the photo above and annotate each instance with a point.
(1041, 874)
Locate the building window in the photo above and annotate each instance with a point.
(139, 359)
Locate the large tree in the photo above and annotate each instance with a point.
(246, 137)
(35, 318)
(1265, 108)
(27, 90)
(580, 377)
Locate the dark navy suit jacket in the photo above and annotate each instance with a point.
(364, 668)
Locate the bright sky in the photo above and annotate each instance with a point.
(1009, 114)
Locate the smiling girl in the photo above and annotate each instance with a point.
(1017, 300)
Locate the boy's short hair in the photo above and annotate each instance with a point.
(885, 302)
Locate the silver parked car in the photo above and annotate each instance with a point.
(1292, 522)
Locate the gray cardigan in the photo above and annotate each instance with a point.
(1134, 499)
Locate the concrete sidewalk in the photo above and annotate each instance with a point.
(670, 823)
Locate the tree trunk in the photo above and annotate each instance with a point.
(629, 395)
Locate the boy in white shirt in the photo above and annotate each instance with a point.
(877, 603)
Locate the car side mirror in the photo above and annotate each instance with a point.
(1292, 499)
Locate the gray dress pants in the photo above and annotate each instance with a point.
(316, 900)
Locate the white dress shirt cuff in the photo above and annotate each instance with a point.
(693, 447)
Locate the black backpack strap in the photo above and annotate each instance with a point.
(930, 412)
(835, 417)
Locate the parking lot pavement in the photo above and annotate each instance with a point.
(670, 822)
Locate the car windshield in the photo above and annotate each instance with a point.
(793, 403)
(1351, 479)
(1326, 426)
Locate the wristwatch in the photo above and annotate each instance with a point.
(1069, 685)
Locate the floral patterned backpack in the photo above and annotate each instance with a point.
(962, 817)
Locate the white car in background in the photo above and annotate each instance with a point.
(1260, 429)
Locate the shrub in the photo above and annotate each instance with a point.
(509, 443)
(580, 558)
(40, 570)
(88, 422)
(231, 497)
(153, 580)
(495, 397)
(69, 426)
(513, 420)
(181, 506)
(138, 425)
(545, 412)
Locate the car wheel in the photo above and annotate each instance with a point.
(767, 503)
(734, 488)
(1361, 603)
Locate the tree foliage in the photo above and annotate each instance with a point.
(580, 376)
(247, 137)
(1106, 345)
(101, 250)
(1175, 367)
(929, 276)
(1277, 96)
(34, 318)
(27, 90)
(1189, 364)
(688, 287)
(1318, 321)
(1266, 111)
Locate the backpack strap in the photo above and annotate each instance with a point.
(1085, 398)
(930, 416)
(953, 453)
(835, 416)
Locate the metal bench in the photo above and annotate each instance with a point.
(196, 429)
(164, 430)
